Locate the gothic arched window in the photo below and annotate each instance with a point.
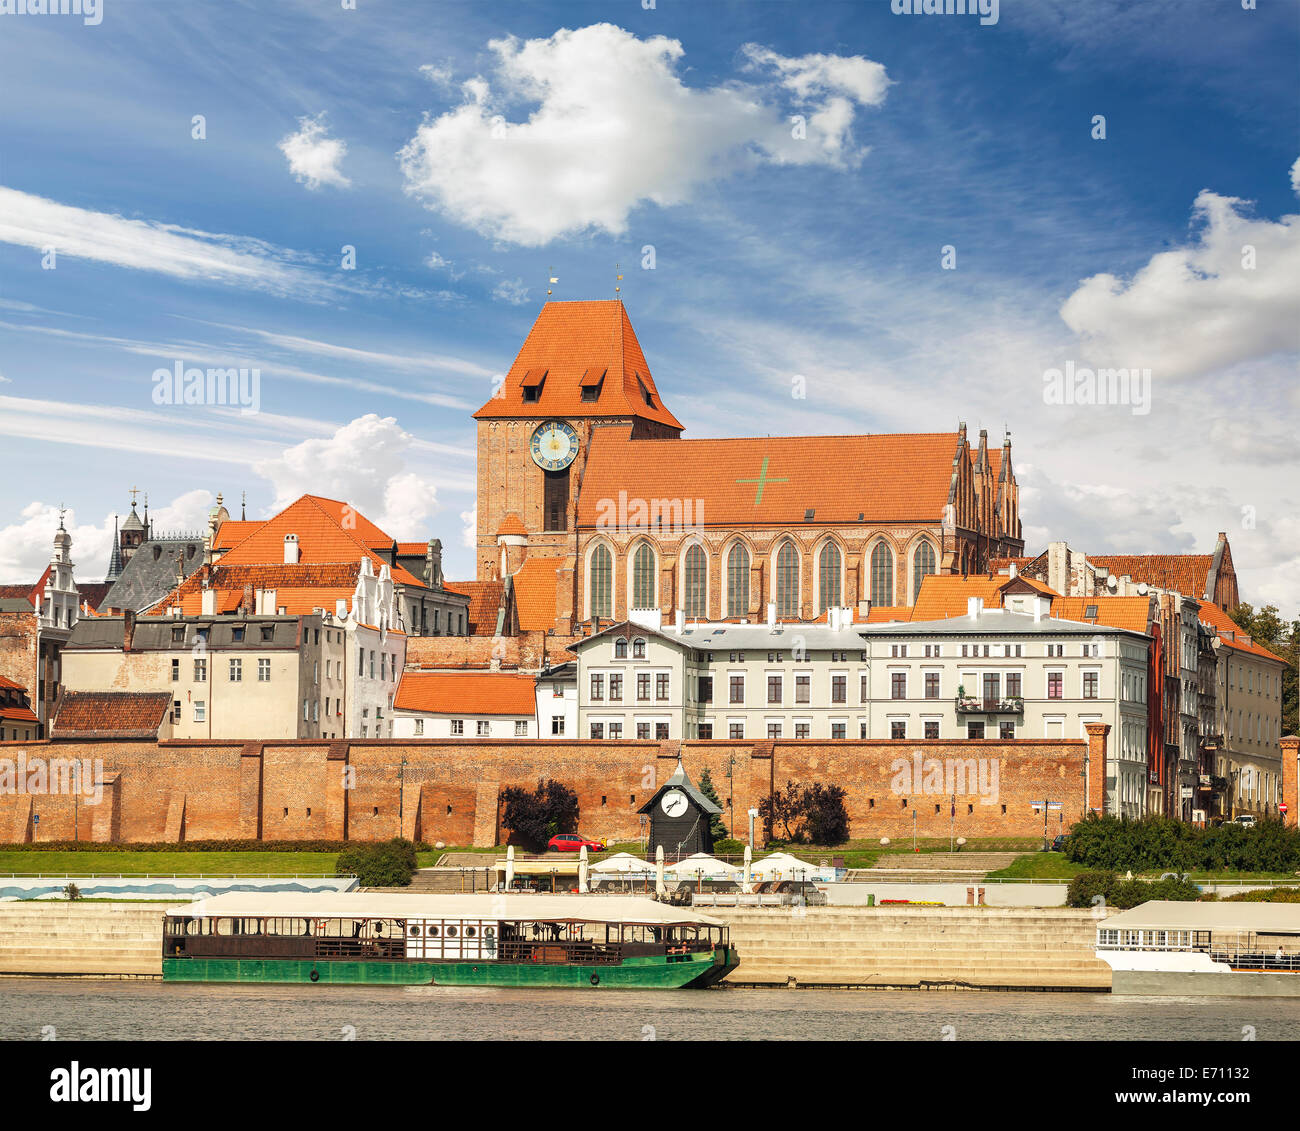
(695, 583)
(828, 578)
(787, 581)
(882, 575)
(600, 582)
(643, 577)
(738, 581)
(922, 566)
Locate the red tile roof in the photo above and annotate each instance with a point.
(1132, 613)
(535, 584)
(1186, 573)
(10, 685)
(466, 693)
(231, 532)
(110, 714)
(484, 601)
(568, 340)
(298, 588)
(771, 480)
(16, 714)
(511, 524)
(1210, 614)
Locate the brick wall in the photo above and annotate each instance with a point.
(1290, 774)
(448, 791)
(526, 652)
(18, 660)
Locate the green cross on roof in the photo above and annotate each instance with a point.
(763, 480)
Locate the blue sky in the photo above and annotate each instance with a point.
(466, 150)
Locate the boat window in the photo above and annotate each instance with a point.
(434, 932)
(471, 932)
(451, 932)
(490, 932)
(225, 926)
(415, 932)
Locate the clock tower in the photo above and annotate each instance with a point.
(580, 368)
(680, 816)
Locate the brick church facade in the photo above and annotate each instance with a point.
(589, 497)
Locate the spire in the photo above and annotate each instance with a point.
(115, 556)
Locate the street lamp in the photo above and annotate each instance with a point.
(731, 794)
(401, 796)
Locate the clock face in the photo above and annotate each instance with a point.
(554, 445)
(674, 803)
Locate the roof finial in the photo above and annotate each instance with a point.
(551, 279)
(62, 511)
(243, 506)
(134, 491)
(617, 280)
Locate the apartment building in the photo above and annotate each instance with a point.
(451, 705)
(992, 674)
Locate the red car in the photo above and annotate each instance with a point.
(572, 842)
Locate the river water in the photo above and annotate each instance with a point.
(122, 1010)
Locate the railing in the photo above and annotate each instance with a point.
(1004, 705)
(177, 876)
(561, 953)
(1257, 960)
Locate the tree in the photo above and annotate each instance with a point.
(389, 864)
(807, 813)
(533, 818)
(717, 826)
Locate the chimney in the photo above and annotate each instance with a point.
(128, 629)
(433, 564)
(833, 618)
(974, 606)
(1042, 607)
(1014, 572)
(291, 549)
(771, 614)
(341, 608)
(246, 602)
(209, 608)
(846, 616)
(679, 619)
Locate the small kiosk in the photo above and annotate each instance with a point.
(680, 816)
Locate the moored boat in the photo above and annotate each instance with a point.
(490, 939)
(1203, 949)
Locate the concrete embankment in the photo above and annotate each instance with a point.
(97, 939)
(974, 947)
(979, 947)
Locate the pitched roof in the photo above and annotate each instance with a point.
(946, 594)
(233, 531)
(14, 713)
(484, 601)
(110, 714)
(328, 531)
(298, 588)
(10, 685)
(567, 343)
(466, 693)
(1132, 613)
(769, 480)
(151, 572)
(1186, 573)
(1230, 633)
(535, 585)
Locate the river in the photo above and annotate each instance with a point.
(125, 1010)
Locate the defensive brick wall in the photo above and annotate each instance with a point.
(449, 791)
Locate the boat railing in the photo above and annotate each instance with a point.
(1257, 960)
(564, 952)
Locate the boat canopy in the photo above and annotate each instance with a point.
(387, 905)
(1176, 915)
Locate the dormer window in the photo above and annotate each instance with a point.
(532, 384)
(645, 393)
(591, 383)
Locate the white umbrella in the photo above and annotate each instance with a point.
(582, 869)
(746, 878)
(782, 866)
(510, 865)
(702, 864)
(659, 869)
(623, 863)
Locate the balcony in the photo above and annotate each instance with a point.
(1006, 705)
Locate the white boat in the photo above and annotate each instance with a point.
(1168, 947)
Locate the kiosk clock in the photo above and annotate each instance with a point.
(554, 445)
(674, 803)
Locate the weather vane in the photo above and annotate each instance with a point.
(551, 279)
(617, 280)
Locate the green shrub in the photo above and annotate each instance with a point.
(1120, 895)
(1086, 886)
(1157, 843)
(389, 864)
(728, 847)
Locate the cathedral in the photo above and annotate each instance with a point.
(590, 503)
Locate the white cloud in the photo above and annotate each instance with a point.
(614, 126)
(4, 380)
(469, 529)
(1295, 177)
(512, 291)
(438, 74)
(314, 156)
(1202, 307)
(365, 463)
(35, 222)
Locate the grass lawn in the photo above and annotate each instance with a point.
(1038, 866)
(168, 863)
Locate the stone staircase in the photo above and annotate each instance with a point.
(975, 947)
(98, 939)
